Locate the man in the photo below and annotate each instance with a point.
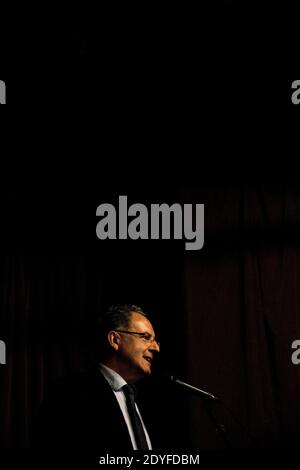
(97, 410)
(127, 353)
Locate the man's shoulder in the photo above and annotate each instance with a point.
(85, 383)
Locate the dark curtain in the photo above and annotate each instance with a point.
(45, 304)
(242, 307)
(49, 307)
(227, 315)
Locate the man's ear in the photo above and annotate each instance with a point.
(113, 339)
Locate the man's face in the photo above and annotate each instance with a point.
(135, 353)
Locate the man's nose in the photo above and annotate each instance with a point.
(154, 347)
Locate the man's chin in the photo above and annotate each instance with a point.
(146, 370)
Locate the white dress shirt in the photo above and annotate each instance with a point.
(116, 383)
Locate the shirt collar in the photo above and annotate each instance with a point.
(113, 378)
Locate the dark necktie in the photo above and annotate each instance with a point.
(139, 433)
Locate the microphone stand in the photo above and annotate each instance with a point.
(207, 399)
(220, 428)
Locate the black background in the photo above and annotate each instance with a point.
(143, 102)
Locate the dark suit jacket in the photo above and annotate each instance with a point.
(81, 414)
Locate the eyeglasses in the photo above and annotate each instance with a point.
(145, 336)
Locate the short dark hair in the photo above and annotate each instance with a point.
(116, 317)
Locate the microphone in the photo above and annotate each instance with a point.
(197, 391)
(210, 398)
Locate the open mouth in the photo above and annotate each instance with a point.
(148, 359)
